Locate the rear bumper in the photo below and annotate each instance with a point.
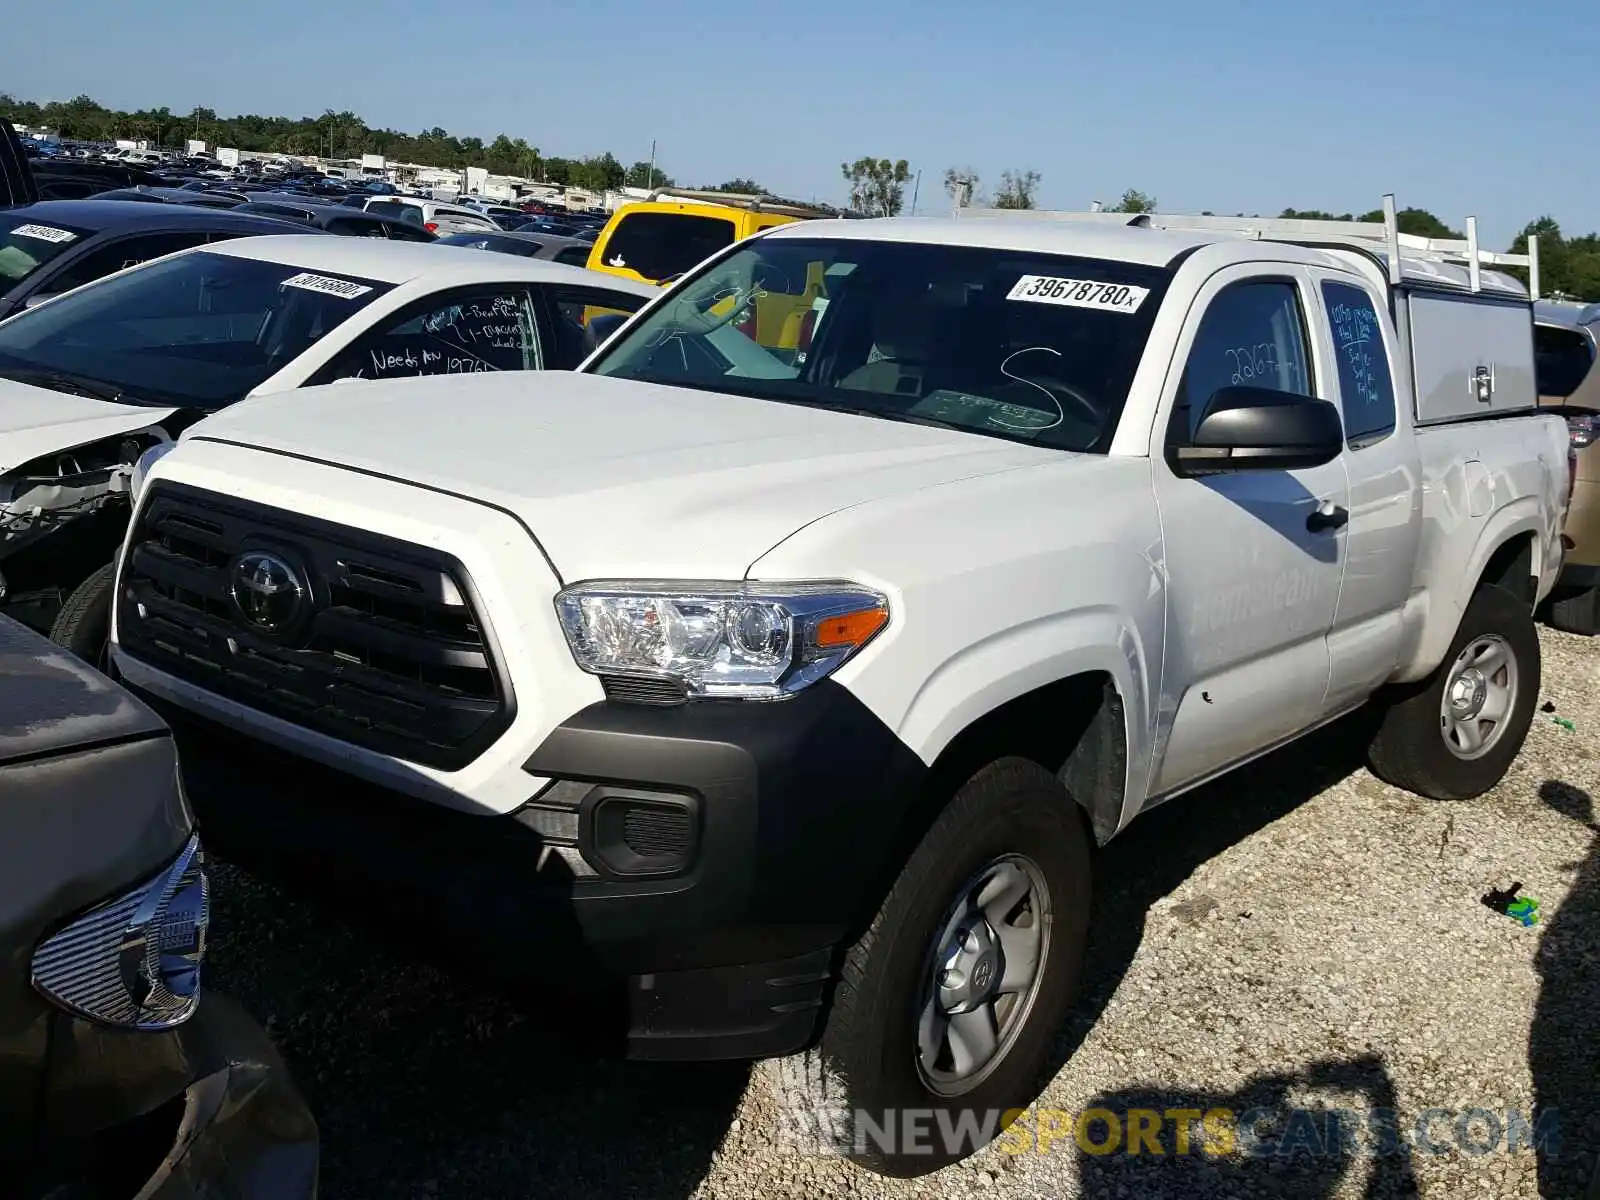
(698, 866)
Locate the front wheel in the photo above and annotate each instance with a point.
(945, 1009)
(83, 626)
(1453, 736)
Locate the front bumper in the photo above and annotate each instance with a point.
(238, 1127)
(699, 863)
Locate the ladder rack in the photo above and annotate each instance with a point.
(1371, 235)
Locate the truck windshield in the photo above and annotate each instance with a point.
(1013, 344)
(200, 330)
(26, 244)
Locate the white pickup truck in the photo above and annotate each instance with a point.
(791, 689)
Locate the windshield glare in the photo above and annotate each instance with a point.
(1030, 347)
(200, 330)
(26, 244)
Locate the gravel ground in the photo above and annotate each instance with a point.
(1296, 935)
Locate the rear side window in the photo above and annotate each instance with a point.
(662, 244)
(347, 227)
(1366, 391)
(1253, 335)
(481, 329)
(573, 256)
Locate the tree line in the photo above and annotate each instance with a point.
(331, 135)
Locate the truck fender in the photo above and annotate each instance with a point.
(979, 679)
(1452, 590)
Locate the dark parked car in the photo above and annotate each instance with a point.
(170, 195)
(527, 244)
(338, 218)
(56, 245)
(118, 1076)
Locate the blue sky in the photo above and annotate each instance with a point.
(1471, 106)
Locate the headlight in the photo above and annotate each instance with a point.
(141, 468)
(744, 640)
(134, 962)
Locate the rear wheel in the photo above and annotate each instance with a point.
(83, 625)
(948, 1004)
(1453, 736)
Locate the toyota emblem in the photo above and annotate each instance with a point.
(267, 590)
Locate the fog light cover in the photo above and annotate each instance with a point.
(134, 962)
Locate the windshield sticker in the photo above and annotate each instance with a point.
(45, 233)
(327, 285)
(1079, 293)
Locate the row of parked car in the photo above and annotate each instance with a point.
(776, 663)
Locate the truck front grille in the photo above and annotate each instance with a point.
(361, 637)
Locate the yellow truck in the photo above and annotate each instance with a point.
(657, 239)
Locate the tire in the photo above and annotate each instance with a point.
(1416, 748)
(1578, 612)
(83, 625)
(1011, 816)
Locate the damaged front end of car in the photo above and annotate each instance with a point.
(62, 517)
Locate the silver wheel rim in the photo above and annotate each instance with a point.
(982, 975)
(1480, 693)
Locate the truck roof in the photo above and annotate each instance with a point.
(1157, 240)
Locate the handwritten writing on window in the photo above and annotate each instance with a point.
(1252, 364)
(1355, 332)
(388, 363)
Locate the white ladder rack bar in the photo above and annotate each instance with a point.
(1307, 229)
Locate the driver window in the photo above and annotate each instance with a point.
(464, 333)
(1252, 334)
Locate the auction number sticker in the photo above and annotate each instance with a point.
(1079, 293)
(327, 285)
(45, 233)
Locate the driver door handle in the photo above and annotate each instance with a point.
(1327, 517)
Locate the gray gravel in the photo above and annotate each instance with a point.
(1296, 935)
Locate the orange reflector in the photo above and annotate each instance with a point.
(851, 629)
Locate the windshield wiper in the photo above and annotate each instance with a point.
(78, 385)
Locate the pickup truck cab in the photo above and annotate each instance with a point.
(791, 688)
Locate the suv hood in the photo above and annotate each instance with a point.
(614, 477)
(35, 421)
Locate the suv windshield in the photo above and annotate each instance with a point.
(200, 330)
(659, 245)
(26, 244)
(1014, 344)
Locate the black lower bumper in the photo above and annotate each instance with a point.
(230, 1122)
(1578, 577)
(699, 864)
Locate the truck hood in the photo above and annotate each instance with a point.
(615, 477)
(36, 421)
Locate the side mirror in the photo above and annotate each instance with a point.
(1259, 429)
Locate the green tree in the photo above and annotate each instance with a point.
(877, 186)
(598, 173)
(740, 186)
(1134, 201)
(1017, 189)
(646, 175)
(958, 178)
